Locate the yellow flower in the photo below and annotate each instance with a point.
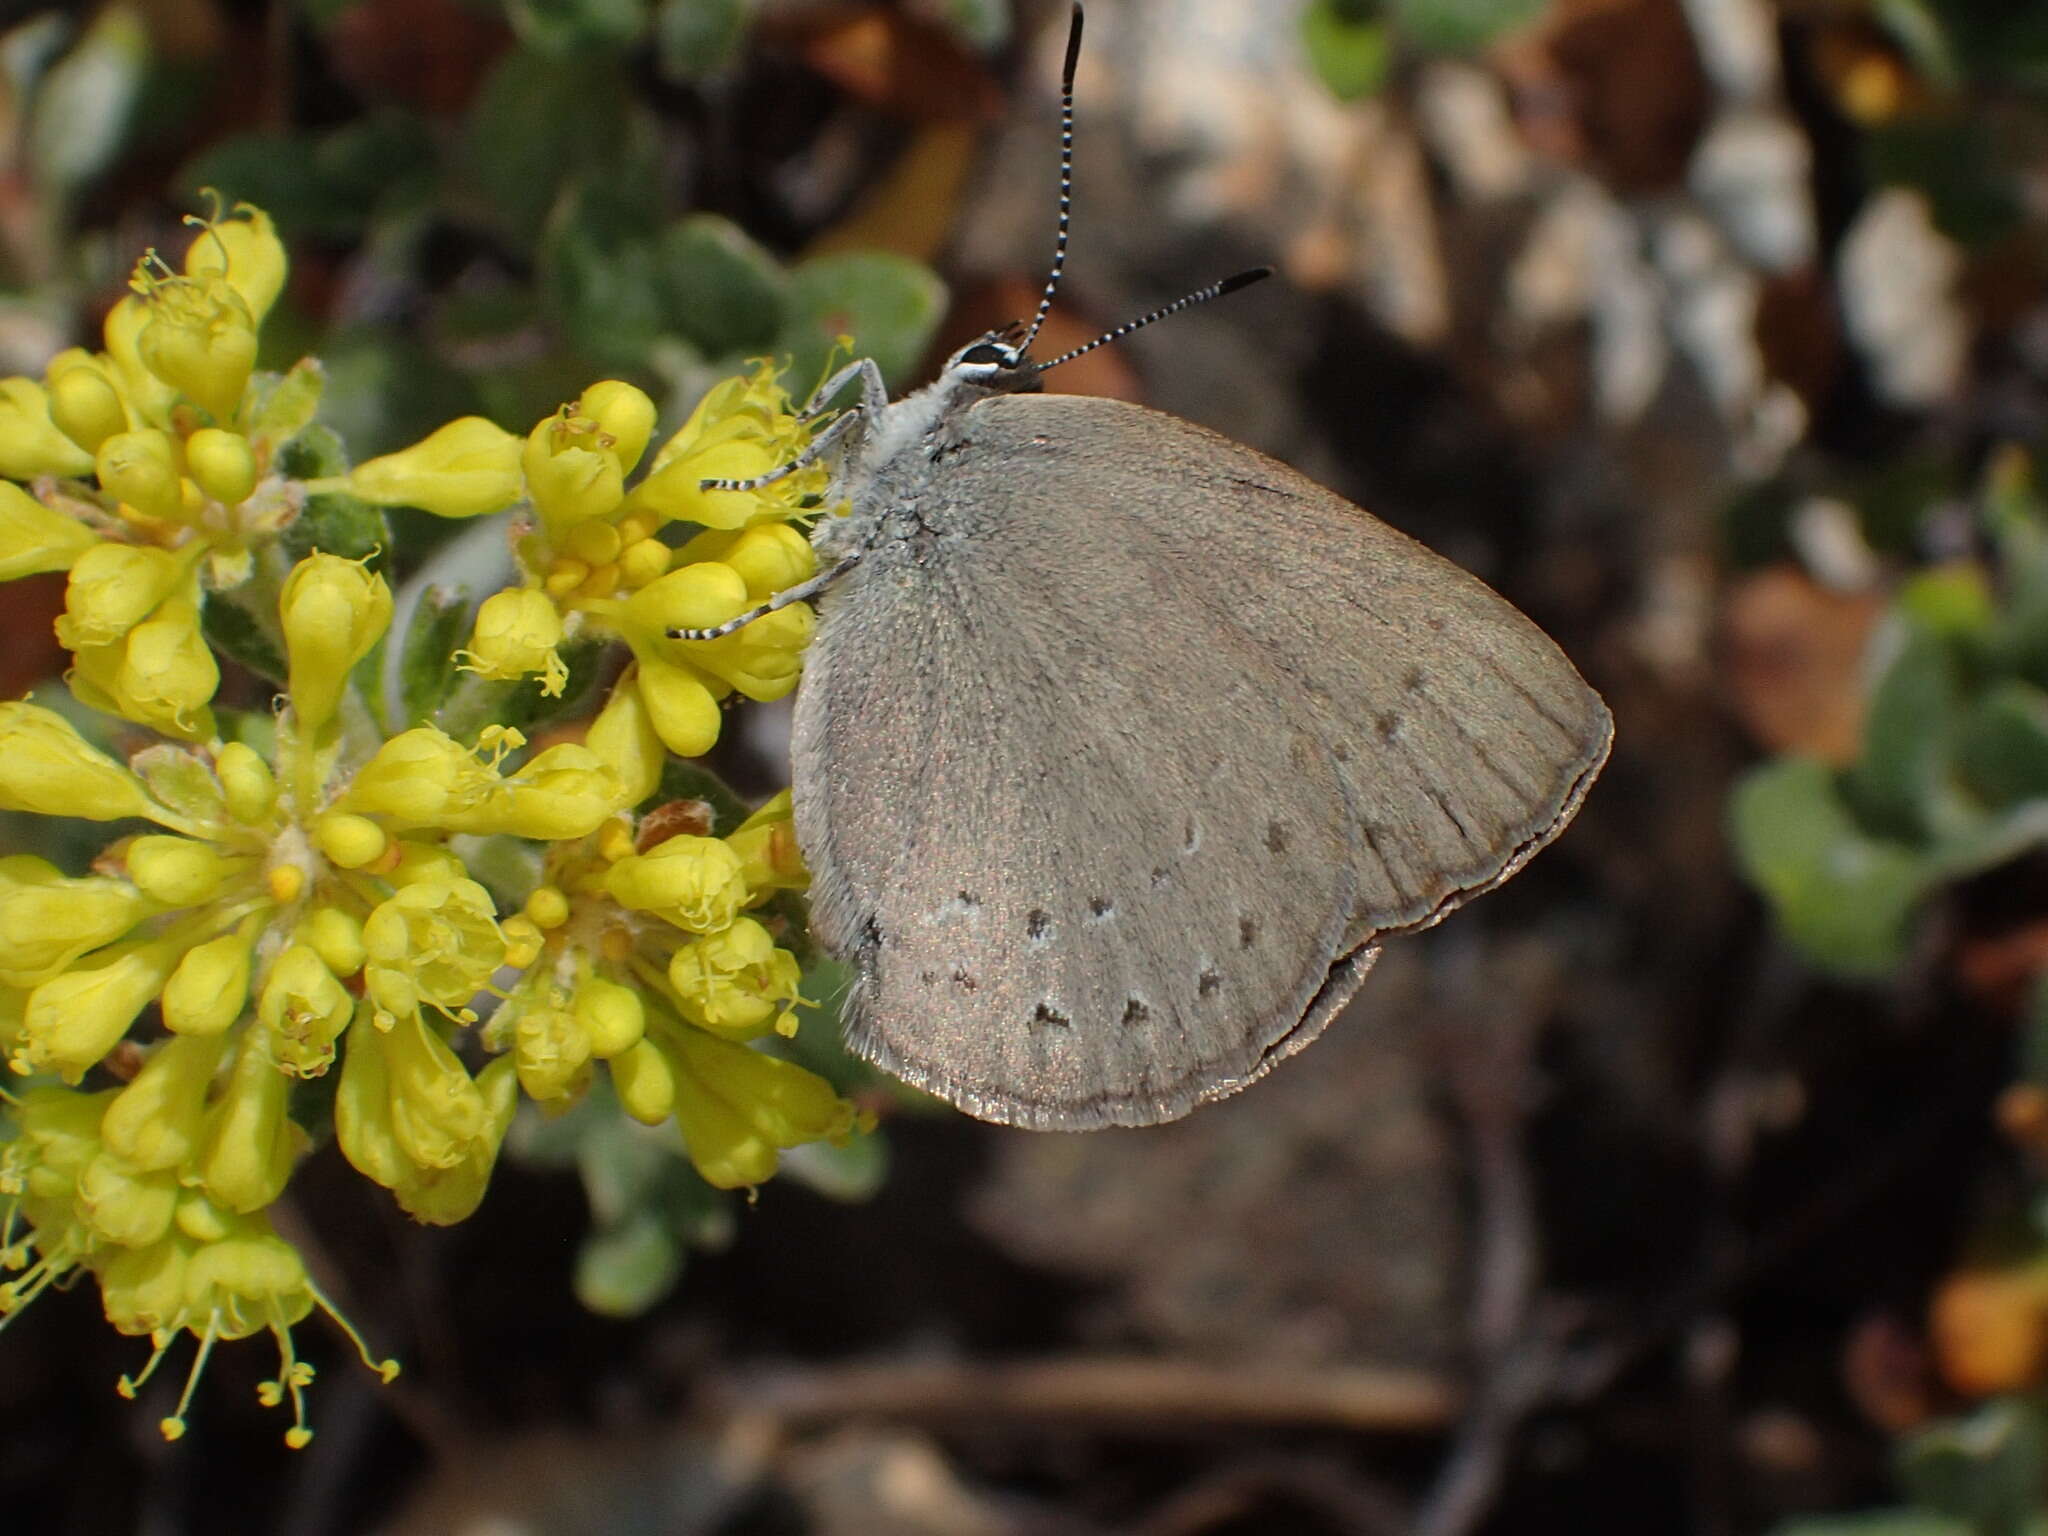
(334, 611)
(435, 943)
(571, 476)
(47, 920)
(246, 252)
(30, 442)
(140, 471)
(210, 987)
(155, 1121)
(465, 469)
(644, 1078)
(305, 1010)
(222, 463)
(200, 338)
(113, 588)
(516, 633)
(625, 740)
(85, 404)
(695, 883)
(622, 413)
(738, 1108)
(148, 397)
(611, 1016)
(766, 845)
(181, 871)
(409, 1117)
(679, 704)
(161, 674)
(740, 429)
(734, 982)
(47, 768)
(75, 1018)
(35, 538)
(251, 1144)
(550, 1051)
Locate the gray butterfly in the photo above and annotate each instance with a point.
(1120, 747)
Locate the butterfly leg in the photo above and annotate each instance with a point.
(819, 447)
(874, 397)
(782, 599)
(874, 394)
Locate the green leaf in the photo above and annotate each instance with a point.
(182, 780)
(1918, 32)
(79, 115)
(1460, 26)
(2003, 743)
(1950, 601)
(1348, 47)
(441, 621)
(236, 627)
(1985, 1469)
(562, 26)
(984, 24)
(718, 288)
(1899, 778)
(622, 1164)
(889, 305)
(606, 298)
(284, 404)
(698, 40)
(538, 122)
(330, 185)
(850, 1173)
(622, 1271)
(1842, 896)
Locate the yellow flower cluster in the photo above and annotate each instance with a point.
(147, 469)
(593, 550)
(651, 963)
(300, 896)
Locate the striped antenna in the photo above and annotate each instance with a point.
(1229, 284)
(1059, 248)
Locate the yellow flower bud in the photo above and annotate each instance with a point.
(181, 872)
(564, 792)
(770, 557)
(30, 442)
(682, 709)
(737, 1106)
(465, 469)
(550, 1051)
(694, 882)
(246, 252)
(362, 1111)
(247, 782)
(546, 907)
(422, 862)
(84, 404)
(140, 470)
(766, 844)
(611, 1015)
(699, 596)
(595, 542)
(251, 1143)
(305, 1010)
(113, 588)
(348, 840)
(155, 1121)
(624, 414)
(143, 1289)
(436, 1110)
(444, 1196)
(336, 937)
(222, 463)
(645, 1080)
(74, 1019)
(412, 778)
(643, 561)
(201, 340)
(123, 1204)
(569, 478)
(763, 659)
(47, 921)
(516, 633)
(46, 767)
(435, 942)
(36, 538)
(149, 398)
(208, 990)
(334, 611)
(624, 739)
(162, 675)
(734, 982)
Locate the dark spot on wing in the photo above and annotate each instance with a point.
(1048, 1017)
(1135, 1011)
(965, 982)
(1247, 933)
(1209, 984)
(1276, 837)
(1037, 923)
(1100, 906)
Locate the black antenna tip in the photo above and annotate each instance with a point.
(1239, 280)
(1073, 48)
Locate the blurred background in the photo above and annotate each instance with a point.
(1692, 1183)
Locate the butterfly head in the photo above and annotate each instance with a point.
(996, 362)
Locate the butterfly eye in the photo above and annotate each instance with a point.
(989, 354)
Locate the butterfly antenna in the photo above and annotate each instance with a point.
(1059, 247)
(1229, 284)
